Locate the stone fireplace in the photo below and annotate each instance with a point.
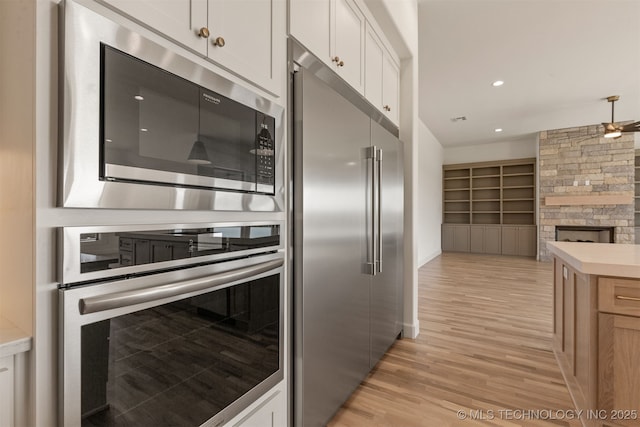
(585, 181)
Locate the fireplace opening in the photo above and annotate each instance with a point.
(581, 233)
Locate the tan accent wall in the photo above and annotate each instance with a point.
(17, 213)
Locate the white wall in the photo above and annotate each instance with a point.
(493, 151)
(429, 189)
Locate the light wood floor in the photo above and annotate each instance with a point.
(484, 344)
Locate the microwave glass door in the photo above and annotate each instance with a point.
(159, 128)
(183, 362)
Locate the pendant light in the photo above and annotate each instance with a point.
(198, 154)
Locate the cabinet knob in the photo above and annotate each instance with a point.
(341, 64)
(387, 108)
(219, 41)
(336, 59)
(204, 32)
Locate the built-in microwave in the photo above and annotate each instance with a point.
(144, 127)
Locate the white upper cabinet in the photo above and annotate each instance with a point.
(310, 23)
(348, 43)
(382, 77)
(391, 89)
(239, 35)
(333, 30)
(181, 20)
(374, 57)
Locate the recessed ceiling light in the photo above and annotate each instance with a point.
(497, 83)
(138, 98)
(143, 129)
(108, 140)
(498, 129)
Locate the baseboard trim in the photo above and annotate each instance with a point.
(429, 258)
(411, 330)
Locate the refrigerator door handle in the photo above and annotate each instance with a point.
(379, 210)
(372, 225)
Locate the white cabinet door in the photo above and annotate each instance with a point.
(348, 42)
(6, 391)
(241, 38)
(391, 89)
(272, 413)
(310, 23)
(373, 57)
(180, 20)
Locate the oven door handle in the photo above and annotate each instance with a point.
(139, 296)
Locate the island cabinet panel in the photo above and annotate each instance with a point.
(596, 339)
(620, 368)
(558, 301)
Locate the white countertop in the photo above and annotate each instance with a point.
(602, 259)
(12, 339)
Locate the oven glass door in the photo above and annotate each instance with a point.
(178, 363)
(159, 128)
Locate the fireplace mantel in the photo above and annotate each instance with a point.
(594, 199)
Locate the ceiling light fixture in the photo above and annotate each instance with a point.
(498, 129)
(497, 83)
(611, 130)
(143, 129)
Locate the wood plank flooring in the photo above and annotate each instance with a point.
(484, 344)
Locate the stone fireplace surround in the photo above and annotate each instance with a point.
(600, 167)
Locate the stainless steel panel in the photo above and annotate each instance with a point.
(331, 286)
(157, 176)
(387, 284)
(70, 255)
(71, 321)
(82, 32)
(138, 296)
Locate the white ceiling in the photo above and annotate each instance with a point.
(558, 58)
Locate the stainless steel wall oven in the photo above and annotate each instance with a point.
(178, 324)
(144, 127)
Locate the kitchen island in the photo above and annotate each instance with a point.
(596, 329)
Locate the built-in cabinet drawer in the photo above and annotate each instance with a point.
(519, 240)
(620, 296)
(486, 239)
(455, 238)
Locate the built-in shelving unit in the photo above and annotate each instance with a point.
(487, 197)
(495, 193)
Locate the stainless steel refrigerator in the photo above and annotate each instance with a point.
(348, 226)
